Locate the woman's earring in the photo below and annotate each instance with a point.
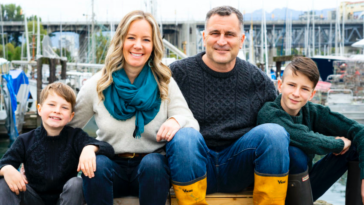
(150, 62)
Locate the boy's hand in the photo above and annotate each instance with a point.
(168, 130)
(14, 179)
(347, 144)
(87, 161)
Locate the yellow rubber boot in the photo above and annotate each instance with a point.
(270, 190)
(194, 193)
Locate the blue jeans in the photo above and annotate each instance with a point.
(325, 172)
(263, 150)
(146, 177)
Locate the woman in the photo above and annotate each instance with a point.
(138, 107)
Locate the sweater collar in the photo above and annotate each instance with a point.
(214, 73)
(41, 133)
(299, 117)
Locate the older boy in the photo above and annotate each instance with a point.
(313, 129)
(52, 155)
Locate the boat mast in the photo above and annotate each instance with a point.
(336, 29)
(262, 39)
(343, 32)
(33, 40)
(2, 31)
(60, 39)
(307, 34)
(313, 30)
(27, 38)
(38, 38)
(266, 47)
(330, 39)
(92, 33)
(251, 51)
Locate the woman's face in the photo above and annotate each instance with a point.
(138, 45)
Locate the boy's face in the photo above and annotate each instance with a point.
(296, 91)
(55, 112)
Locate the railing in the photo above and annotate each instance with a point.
(177, 53)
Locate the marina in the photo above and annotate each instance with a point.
(73, 51)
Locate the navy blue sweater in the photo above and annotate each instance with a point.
(51, 161)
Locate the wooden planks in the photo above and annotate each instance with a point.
(243, 198)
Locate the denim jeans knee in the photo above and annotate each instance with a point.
(154, 179)
(272, 152)
(99, 189)
(273, 132)
(187, 155)
(185, 139)
(153, 163)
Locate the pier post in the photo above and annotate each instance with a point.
(64, 69)
(52, 70)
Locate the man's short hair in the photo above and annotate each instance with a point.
(225, 11)
(62, 90)
(305, 66)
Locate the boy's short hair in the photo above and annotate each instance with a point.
(60, 89)
(306, 66)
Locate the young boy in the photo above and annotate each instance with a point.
(313, 129)
(52, 155)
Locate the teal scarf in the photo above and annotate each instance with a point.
(123, 100)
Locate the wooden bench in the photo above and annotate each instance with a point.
(243, 198)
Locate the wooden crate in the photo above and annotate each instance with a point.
(30, 120)
(243, 198)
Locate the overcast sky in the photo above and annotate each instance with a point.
(74, 10)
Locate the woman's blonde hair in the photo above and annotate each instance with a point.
(115, 60)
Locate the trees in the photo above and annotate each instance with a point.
(64, 52)
(11, 12)
(13, 49)
(102, 44)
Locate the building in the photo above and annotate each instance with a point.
(309, 15)
(352, 10)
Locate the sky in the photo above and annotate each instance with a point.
(167, 10)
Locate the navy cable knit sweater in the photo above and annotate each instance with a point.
(225, 104)
(51, 161)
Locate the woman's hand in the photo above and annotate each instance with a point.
(14, 179)
(87, 161)
(168, 130)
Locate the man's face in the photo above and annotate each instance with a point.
(222, 39)
(296, 91)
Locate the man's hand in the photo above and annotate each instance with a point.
(14, 179)
(87, 161)
(168, 130)
(347, 144)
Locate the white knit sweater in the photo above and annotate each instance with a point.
(120, 133)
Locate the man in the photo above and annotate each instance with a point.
(225, 94)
